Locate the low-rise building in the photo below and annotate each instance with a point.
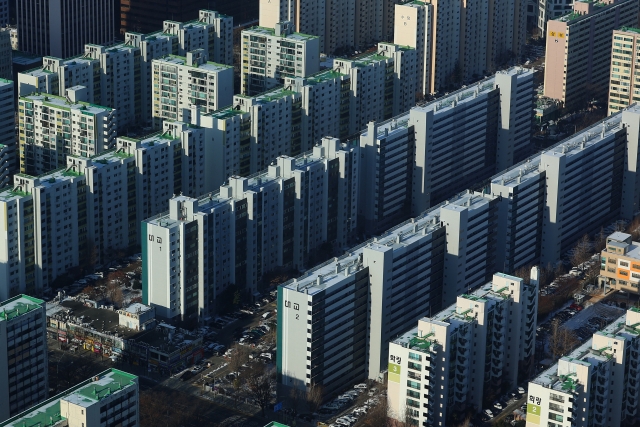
(620, 264)
(23, 355)
(465, 355)
(108, 398)
(596, 384)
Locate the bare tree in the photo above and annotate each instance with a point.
(114, 293)
(600, 241)
(239, 356)
(378, 416)
(314, 396)
(591, 273)
(555, 339)
(260, 382)
(295, 400)
(582, 251)
(524, 273)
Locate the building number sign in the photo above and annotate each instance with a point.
(296, 307)
(395, 359)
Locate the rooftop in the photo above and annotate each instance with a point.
(272, 32)
(181, 60)
(102, 320)
(62, 103)
(17, 306)
(158, 338)
(84, 394)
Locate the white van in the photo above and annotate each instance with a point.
(266, 315)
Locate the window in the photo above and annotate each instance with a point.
(414, 356)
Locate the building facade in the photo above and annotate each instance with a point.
(59, 30)
(577, 67)
(23, 354)
(276, 219)
(623, 56)
(597, 383)
(620, 264)
(8, 149)
(463, 356)
(110, 397)
(52, 127)
(271, 54)
(5, 50)
(181, 83)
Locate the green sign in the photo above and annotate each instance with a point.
(533, 413)
(394, 373)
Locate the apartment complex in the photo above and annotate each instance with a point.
(110, 398)
(620, 264)
(23, 354)
(52, 127)
(180, 83)
(275, 219)
(8, 157)
(59, 30)
(5, 50)
(465, 355)
(405, 272)
(458, 42)
(271, 54)
(578, 53)
(120, 76)
(596, 384)
(622, 92)
(93, 206)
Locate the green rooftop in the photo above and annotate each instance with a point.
(85, 394)
(17, 306)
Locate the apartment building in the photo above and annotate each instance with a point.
(120, 76)
(620, 264)
(8, 155)
(579, 50)
(274, 219)
(5, 49)
(52, 127)
(23, 354)
(271, 54)
(59, 30)
(460, 42)
(179, 83)
(596, 384)
(110, 397)
(79, 214)
(551, 9)
(623, 55)
(465, 355)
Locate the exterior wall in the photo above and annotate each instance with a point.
(5, 46)
(413, 28)
(8, 150)
(623, 74)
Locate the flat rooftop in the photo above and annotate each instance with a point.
(85, 394)
(157, 338)
(60, 102)
(182, 61)
(17, 306)
(263, 31)
(101, 320)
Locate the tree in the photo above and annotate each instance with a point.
(260, 382)
(378, 416)
(562, 340)
(314, 396)
(295, 400)
(114, 293)
(600, 241)
(239, 357)
(524, 273)
(582, 251)
(90, 291)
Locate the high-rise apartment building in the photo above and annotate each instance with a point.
(596, 384)
(59, 30)
(52, 127)
(180, 83)
(120, 76)
(271, 54)
(458, 42)
(108, 398)
(78, 214)
(552, 9)
(8, 150)
(578, 53)
(466, 354)
(275, 219)
(623, 75)
(23, 354)
(5, 51)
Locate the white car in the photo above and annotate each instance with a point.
(521, 390)
(360, 386)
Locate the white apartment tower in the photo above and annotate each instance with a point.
(180, 83)
(52, 127)
(271, 54)
(596, 384)
(59, 30)
(466, 353)
(23, 374)
(274, 219)
(413, 28)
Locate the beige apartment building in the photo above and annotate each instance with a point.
(624, 83)
(620, 264)
(579, 49)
